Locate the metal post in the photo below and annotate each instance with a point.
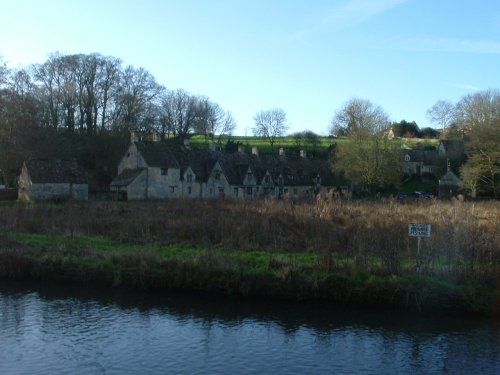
(418, 253)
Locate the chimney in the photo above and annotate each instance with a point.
(255, 151)
(303, 154)
(241, 149)
(282, 151)
(186, 144)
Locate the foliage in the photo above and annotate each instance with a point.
(370, 158)
(478, 117)
(405, 129)
(428, 133)
(306, 140)
(375, 163)
(482, 170)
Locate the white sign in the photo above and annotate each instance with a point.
(419, 230)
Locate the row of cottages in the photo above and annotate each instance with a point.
(158, 170)
(422, 163)
(52, 179)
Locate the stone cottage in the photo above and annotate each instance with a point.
(420, 163)
(449, 184)
(159, 170)
(52, 179)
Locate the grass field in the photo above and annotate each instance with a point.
(321, 144)
(349, 252)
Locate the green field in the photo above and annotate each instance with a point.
(320, 146)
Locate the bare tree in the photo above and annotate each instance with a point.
(211, 120)
(226, 126)
(441, 114)
(270, 124)
(4, 72)
(137, 91)
(359, 118)
(178, 115)
(109, 75)
(478, 116)
(477, 109)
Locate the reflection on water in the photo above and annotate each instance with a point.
(56, 330)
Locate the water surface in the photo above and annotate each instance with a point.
(50, 329)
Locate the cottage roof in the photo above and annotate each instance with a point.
(157, 154)
(200, 161)
(449, 179)
(126, 177)
(295, 172)
(428, 157)
(56, 171)
(452, 148)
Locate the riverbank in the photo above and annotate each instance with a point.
(346, 253)
(279, 275)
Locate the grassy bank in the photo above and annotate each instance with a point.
(347, 252)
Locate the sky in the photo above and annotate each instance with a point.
(307, 57)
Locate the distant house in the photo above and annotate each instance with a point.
(52, 179)
(420, 163)
(449, 184)
(159, 170)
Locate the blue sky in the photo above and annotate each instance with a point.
(307, 57)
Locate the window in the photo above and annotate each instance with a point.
(189, 190)
(407, 157)
(189, 177)
(164, 171)
(172, 189)
(221, 190)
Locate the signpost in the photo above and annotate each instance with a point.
(419, 231)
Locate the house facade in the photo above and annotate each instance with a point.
(420, 163)
(161, 170)
(52, 179)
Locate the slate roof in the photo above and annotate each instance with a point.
(126, 177)
(449, 179)
(295, 172)
(200, 161)
(56, 171)
(453, 148)
(428, 157)
(157, 154)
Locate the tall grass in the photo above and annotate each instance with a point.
(353, 237)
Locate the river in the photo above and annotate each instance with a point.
(53, 329)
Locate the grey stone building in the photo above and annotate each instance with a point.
(52, 179)
(160, 170)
